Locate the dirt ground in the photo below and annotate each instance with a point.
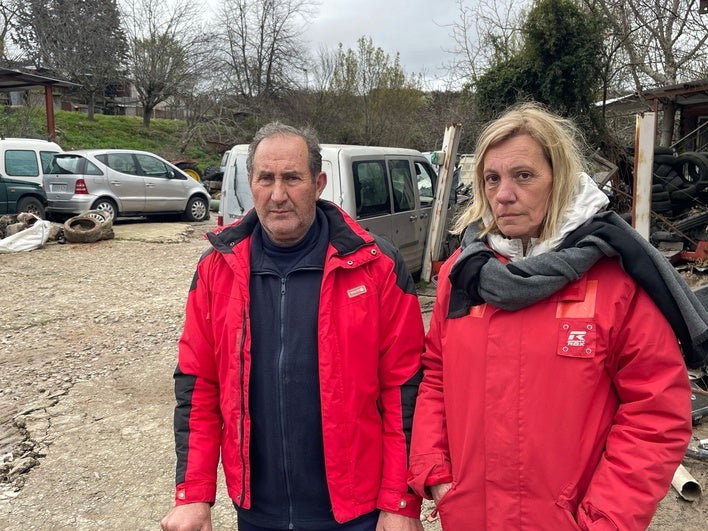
(88, 341)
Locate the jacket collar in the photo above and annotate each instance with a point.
(345, 235)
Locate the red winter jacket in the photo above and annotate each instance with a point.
(370, 342)
(572, 413)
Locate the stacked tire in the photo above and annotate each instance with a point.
(679, 182)
(89, 227)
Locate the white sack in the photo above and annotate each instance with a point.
(33, 237)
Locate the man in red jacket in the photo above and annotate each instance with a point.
(299, 362)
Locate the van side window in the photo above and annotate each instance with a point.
(426, 183)
(371, 189)
(21, 163)
(402, 185)
(46, 158)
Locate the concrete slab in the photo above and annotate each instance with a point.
(154, 232)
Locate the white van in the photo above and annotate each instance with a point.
(389, 191)
(26, 159)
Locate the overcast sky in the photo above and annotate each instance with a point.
(415, 28)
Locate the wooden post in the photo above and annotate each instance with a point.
(438, 223)
(49, 106)
(643, 170)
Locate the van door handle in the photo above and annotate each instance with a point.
(424, 215)
(413, 218)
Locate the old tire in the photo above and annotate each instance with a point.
(106, 222)
(31, 205)
(197, 209)
(83, 229)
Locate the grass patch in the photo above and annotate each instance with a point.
(75, 131)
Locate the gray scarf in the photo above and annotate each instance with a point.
(478, 276)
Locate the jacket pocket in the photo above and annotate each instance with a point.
(567, 501)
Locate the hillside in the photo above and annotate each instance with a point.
(166, 138)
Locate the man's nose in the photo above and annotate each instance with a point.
(279, 192)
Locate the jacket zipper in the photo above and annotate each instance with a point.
(281, 393)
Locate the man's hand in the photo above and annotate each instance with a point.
(438, 491)
(189, 517)
(397, 522)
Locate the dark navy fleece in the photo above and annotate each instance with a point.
(288, 483)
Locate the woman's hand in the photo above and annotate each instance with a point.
(438, 491)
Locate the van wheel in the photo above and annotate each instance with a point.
(107, 206)
(197, 209)
(31, 205)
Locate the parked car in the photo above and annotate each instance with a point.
(26, 159)
(122, 183)
(21, 196)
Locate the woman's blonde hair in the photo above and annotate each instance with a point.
(560, 141)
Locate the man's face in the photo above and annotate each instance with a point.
(284, 192)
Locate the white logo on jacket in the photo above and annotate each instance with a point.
(576, 338)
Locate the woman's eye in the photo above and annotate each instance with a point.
(491, 179)
(524, 175)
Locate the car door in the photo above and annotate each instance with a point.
(125, 181)
(426, 179)
(407, 227)
(164, 186)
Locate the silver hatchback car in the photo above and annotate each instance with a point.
(123, 183)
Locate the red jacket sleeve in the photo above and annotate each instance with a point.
(401, 341)
(430, 459)
(197, 421)
(652, 426)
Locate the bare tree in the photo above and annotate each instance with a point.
(8, 12)
(486, 32)
(663, 43)
(263, 49)
(78, 39)
(168, 50)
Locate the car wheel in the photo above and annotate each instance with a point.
(31, 205)
(197, 209)
(107, 206)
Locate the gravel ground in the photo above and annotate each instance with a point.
(87, 348)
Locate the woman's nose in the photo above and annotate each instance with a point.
(506, 191)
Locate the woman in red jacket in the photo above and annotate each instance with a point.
(555, 395)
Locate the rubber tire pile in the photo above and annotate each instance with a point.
(679, 194)
(679, 182)
(89, 227)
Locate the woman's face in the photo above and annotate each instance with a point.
(517, 182)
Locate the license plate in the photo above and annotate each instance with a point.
(61, 187)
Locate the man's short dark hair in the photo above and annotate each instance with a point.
(308, 134)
